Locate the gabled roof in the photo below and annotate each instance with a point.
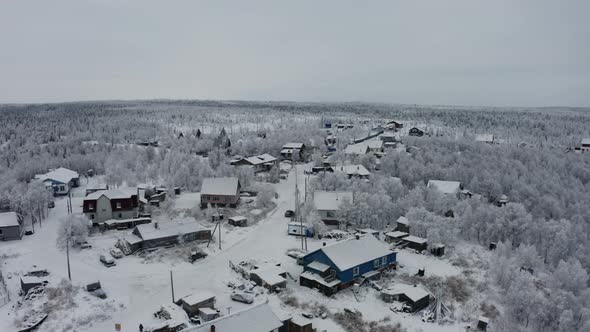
(359, 148)
(260, 159)
(359, 170)
(166, 229)
(445, 187)
(586, 141)
(62, 175)
(350, 253)
(293, 145)
(331, 200)
(403, 220)
(220, 186)
(112, 194)
(259, 318)
(415, 239)
(414, 293)
(8, 219)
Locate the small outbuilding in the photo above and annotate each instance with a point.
(11, 227)
(438, 249)
(28, 282)
(238, 221)
(192, 303)
(403, 224)
(416, 297)
(395, 236)
(415, 131)
(416, 243)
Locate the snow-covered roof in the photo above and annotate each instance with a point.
(165, 229)
(359, 148)
(359, 170)
(321, 267)
(414, 293)
(260, 159)
(445, 187)
(415, 239)
(319, 279)
(374, 144)
(293, 146)
(8, 219)
(403, 220)
(112, 194)
(259, 318)
(350, 253)
(61, 174)
(124, 221)
(220, 186)
(238, 218)
(367, 231)
(586, 141)
(207, 311)
(330, 200)
(198, 297)
(487, 138)
(32, 280)
(271, 274)
(396, 234)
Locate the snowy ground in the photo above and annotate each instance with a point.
(137, 289)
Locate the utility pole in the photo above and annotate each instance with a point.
(172, 285)
(68, 257)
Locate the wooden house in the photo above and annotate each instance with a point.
(238, 221)
(327, 204)
(165, 234)
(269, 276)
(335, 267)
(104, 205)
(294, 152)
(220, 192)
(395, 236)
(260, 163)
(393, 125)
(403, 224)
(416, 132)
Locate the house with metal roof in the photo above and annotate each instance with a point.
(445, 187)
(258, 318)
(293, 151)
(260, 163)
(114, 204)
(337, 266)
(220, 192)
(60, 180)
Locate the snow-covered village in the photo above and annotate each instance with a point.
(309, 166)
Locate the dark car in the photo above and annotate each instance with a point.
(289, 213)
(51, 205)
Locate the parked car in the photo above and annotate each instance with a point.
(107, 260)
(85, 245)
(51, 205)
(289, 213)
(117, 253)
(242, 297)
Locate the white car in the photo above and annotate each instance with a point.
(117, 253)
(108, 261)
(242, 297)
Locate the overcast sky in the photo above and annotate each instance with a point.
(466, 52)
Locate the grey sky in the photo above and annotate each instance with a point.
(468, 52)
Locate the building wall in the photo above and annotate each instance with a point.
(11, 233)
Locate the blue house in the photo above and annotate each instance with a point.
(335, 267)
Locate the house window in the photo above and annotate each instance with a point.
(118, 205)
(384, 260)
(376, 263)
(0, 232)
(62, 188)
(120, 215)
(355, 271)
(92, 216)
(90, 206)
(330, 214)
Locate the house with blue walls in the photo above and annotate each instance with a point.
(59, 181)
(337, 266)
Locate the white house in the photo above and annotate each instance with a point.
(60, 180)
(327, 204)
(445, 187)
